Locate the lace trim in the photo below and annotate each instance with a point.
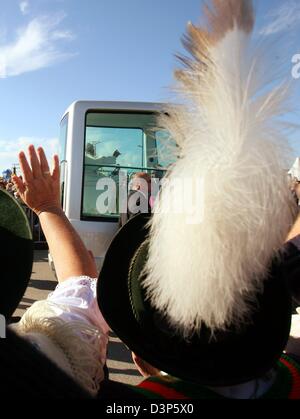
(82, 353)
(78, 280)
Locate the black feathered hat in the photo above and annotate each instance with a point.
(16, 254)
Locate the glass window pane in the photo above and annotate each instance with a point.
(166, 150)
(116, 146)
(63, 138)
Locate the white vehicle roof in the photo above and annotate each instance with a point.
(85, 105)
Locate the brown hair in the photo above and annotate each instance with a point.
(142, 175)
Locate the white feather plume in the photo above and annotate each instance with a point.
(230, 135)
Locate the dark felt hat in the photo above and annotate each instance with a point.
(16, 255)
(232, 357)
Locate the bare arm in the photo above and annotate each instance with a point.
(69, 254)
(39, 189)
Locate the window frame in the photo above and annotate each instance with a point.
(107, 218)
(62, 159)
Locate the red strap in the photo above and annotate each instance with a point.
(162, 390)
(295, 392)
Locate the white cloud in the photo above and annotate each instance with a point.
(24, 7)
(36, 46)
(283, 18)
(9, 150)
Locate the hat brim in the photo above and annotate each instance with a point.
(16, 254)
(233, 358)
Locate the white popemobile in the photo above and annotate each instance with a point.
(107, 140)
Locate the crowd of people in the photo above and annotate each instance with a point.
(9, 186)
(205, 308)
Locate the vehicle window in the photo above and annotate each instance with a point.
(63, 138)
(114, 146)
(166, 150)
(62, 155)
(117, 145)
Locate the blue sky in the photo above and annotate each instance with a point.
(53, 52)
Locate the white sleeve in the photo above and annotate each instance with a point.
(77, 296)
(71, 319)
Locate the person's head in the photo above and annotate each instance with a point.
(140, 181)
(202, 294)
(213, 357)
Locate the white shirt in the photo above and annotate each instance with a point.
(69, 328)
